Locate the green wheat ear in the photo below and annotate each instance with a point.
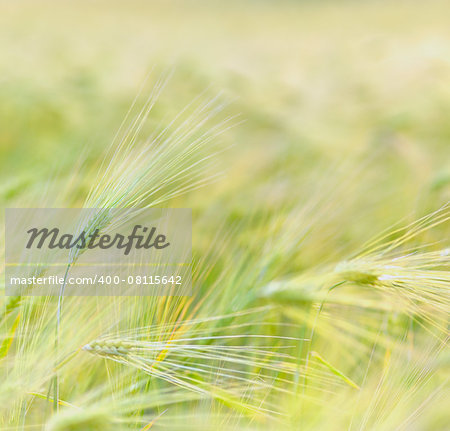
(98, 221)
(357, 272)
(109, 348)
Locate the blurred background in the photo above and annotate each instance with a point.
(313, 82)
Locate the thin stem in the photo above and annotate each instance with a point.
(58, 324)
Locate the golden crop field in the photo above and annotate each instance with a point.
(311, 141)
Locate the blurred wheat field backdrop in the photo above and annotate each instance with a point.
(310, 139)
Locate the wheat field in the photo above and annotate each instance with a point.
(311, 141)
